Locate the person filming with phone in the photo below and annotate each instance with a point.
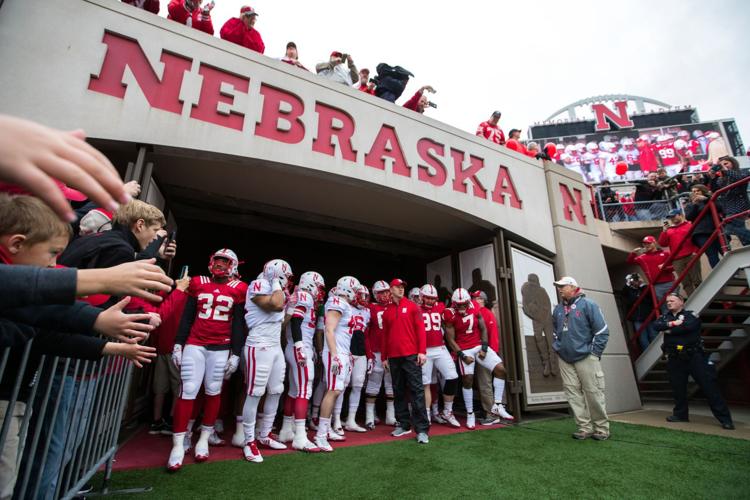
(340, 68)
(419, 101)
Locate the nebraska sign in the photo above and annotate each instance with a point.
(618, 116)
(281, 112)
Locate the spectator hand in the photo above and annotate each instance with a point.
(136, 353)
(116, 324)
(34, 155)
(183, 283)
(421, 359)
(133, 188)
(177, 355)
(168, 252)
(132, 278)
(232, 363)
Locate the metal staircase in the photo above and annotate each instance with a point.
(723, 303)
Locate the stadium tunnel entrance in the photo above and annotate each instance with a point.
(315, 221)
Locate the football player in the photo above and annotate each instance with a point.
(300, 355)
(438, 358)
(339, 320)
(207, 347)
(466, 335)
(360, 363)
(667, 154)
(414, 296)
(378, 375)
(264, 360)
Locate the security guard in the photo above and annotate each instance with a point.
(685, 356)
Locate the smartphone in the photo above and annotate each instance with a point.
(184, 271)
(170, 238)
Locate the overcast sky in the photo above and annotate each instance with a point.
(528, 59)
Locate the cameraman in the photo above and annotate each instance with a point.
(419, 101)
(683, 348)
(335, 70)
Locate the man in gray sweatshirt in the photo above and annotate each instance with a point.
(580, 336)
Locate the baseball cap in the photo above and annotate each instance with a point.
(246, 10)
(96, 221)
(479, 294)
(649, 239)
(673, 212)
(336, 53)
(566, 280)
(398, 282)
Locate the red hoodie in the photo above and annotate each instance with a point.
(674, 235)
(650, 262)
(493, 335)
(234, 30)
(404, 333)
(178, 12)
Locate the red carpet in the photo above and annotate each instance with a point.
(144, 451)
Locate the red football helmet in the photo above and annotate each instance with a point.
(223, 263)
(429, 295)
(460, 301)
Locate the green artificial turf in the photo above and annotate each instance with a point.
(536, 460)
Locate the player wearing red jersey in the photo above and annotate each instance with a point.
(300, 322)
(378, 375)
(339, 323)
(439, 360)
(207, 348)
(466, 335)
(263, 357)
(667, 154)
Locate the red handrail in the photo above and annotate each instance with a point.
(718, 232)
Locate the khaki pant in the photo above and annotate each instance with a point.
(483, 378)
(166, 376)
(692, 279)
(9, 456)
(583, 383)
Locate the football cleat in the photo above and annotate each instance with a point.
(450, 418)
(438, 418)
(251, 453)
(177, 455)
(470, 420)
(338, 430)
(286, 434)
(215, 440)
(499, 410)
(301, 443)
(187, 442)
(271, 443)
(323, 444)
(353, 427)
(238, 438)
(333, 436)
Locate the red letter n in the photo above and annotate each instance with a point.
(619, 118)
(571, 206)
(161, 93)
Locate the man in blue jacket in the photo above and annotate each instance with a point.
(580, 336)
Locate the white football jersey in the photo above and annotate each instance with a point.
(629, 156)
(344, 329)
(302, 305)
(610, 162)
(264, 326)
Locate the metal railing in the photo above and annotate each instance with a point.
(639, 210)
(710, 210)
(62, 421)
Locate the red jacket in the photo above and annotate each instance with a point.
(170, 310)
(493, 335)
(179, 12)
(650, 262)
(403, 333)
(674, 235)
(366, 89)
(234, 30)
(412, 103)
(149, 5)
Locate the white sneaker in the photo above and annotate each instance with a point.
(338, 430)
(238, 438)
(250, 450)
(499, 410)
(470, 420)
(215, 440)
(286, 434)
(201, 450)
(301, 443)
(323, 444)
(271, 443)
(352, 426)
(333, 436)
(177, 454)
(450, 419)
(437, 418)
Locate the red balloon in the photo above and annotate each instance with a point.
(621, 168)
(550, 149)
(512, 144)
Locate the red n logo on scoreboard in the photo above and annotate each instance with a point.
(619, 117)
(572, 205)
